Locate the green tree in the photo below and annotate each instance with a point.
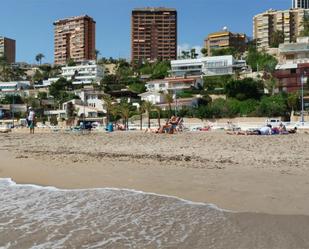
(8, 99)
(160, 70)
(71, 62)
(292, 101)
(224, 51)
(204, 51)
(215, 84)
(247, 88)
(5, 70)
(37, 77)
(276, 38)
(272, 106)
(271, 83)
(305, 32)
(193, 54)
(260, 60)
(137, 87)
(59, 90)
(185, 54)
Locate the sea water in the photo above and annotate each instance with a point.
(46, 217)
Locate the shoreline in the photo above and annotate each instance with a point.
(225, 182)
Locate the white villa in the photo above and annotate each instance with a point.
(174, 84)
(207, 66)
(85, 73)
(14, 86)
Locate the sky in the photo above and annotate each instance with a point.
(30, 22)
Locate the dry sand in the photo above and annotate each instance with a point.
(265, 174)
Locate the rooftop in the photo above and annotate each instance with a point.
(154, 9)
(294, 47)
(224, 33)
(73, 18)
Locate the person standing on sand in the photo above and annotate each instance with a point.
(31, 120)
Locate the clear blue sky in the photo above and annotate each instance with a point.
(30, 22)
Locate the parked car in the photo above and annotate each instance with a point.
(273, 121)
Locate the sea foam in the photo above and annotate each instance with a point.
(33, 216)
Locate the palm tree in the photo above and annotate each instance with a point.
(158, 110)
(141, 111)
(108, 102)
(169, 99)
(148, 107)
(125, 112)
(39, 58)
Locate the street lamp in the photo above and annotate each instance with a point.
(303, 79)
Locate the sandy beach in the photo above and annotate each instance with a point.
(239, 173)
(259, 185)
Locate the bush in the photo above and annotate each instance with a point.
(272, 106)
(213, 83)
(244, 89)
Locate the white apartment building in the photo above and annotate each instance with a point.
(207, 66)
(290, 22)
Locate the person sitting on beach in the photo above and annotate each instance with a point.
(120, 127)
(164, 128)
(170, 125)
(282, 129)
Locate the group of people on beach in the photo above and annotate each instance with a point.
(266, 130)
(170, 127)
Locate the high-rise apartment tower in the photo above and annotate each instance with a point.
(153, 34)
(290, 23)
(7, 49)
(74, 39)
(304, 4)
